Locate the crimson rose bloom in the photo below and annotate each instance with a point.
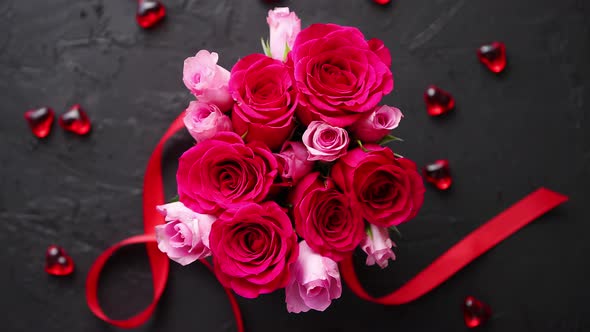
(325, 217)
(339, 74)
(265, 100)
(253, 248)
(223, 172)
(388, 190)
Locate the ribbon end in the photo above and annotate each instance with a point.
(557, 197)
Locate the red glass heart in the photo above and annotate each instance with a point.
(493, 56)
(439, 174)
(58, 262)
(475, 312)
(149, 13)
(438, 101)
(75, 120)
(40, 121)
(382, 2)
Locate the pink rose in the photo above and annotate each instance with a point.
(253, 248)
(377, 245)
(284, 27)
(325, 217)
(314, 283)
(374, 126)
(223, 172)
(207, 80)
(325, 142)
(387, 190)
(340, 75)
(204, 120)
(265, 100)
(185, 236)
(293, 162)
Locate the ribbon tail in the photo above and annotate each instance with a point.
(464, 252)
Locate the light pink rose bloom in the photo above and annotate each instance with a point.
(314, 283)
(204, 120)
(325, 142)
(284, 28)
(377, 245)
(374, 126)
(293, 161)
(207, 80)
(185, 236)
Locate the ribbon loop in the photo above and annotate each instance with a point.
(153, 195)
(159, 263)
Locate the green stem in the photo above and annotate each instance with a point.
(358, 141)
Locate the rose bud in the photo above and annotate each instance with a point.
(204, 121)
(314, 283)
(325, 142)
(207, 80)
(185, 236)
(377, 245)
(293, 162)
(374, 126)
(284, 28)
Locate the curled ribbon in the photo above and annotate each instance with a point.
(453, 260)
(153, 195)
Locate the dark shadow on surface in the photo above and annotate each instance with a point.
(173, 149)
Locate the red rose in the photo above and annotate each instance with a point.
(389, 190)
(253, 248)
(377, 46)
(339, 74)
(325, 218)
(222, 172)
(265, 100)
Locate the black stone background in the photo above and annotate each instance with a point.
(509, 135)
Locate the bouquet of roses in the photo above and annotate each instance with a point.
(289, 175)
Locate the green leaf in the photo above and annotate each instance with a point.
(395, 230)
(265, 47)
(369, 231)
(389, 138)
(287, 50)
(397, 155)
(174, 199)
(244, 135)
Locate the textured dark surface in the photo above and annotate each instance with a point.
(509, 135)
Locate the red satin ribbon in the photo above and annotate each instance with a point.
(472, 246)
(464, 252)
(153, 195)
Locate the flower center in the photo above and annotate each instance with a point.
(328, 136)
(203, 113)
(333, 75)
(381, 119)
(197, 78)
